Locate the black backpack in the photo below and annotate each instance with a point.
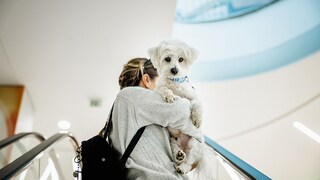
(99, 159)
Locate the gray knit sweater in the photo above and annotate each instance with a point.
(151, 159)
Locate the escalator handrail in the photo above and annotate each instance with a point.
(26, 159)
(16, 137)
(37, 152)
(241, 165)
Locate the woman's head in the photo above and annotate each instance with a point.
(138, 72)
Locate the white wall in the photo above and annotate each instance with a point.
(252, 117)
(25, 121)
(3, 132)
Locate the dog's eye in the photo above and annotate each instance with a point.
(168, 59)
(180, 59)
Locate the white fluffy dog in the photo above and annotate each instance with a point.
(172, 59)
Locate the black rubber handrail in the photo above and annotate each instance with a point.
(37, 152)
(16, 137)
(26, 159)
(240, 165)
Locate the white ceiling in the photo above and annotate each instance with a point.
(66, 52)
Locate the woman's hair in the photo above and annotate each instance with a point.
(133, 71)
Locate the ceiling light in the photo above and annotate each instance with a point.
(306, 131)
(64, 124)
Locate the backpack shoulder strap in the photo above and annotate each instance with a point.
(105, 133)
(108, 125)
(131, 146)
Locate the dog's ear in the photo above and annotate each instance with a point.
(154, 56)
(192, 54)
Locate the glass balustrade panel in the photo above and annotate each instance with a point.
(223, 169)
(11, 152)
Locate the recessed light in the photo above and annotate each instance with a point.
(306, 131)
(63, 124)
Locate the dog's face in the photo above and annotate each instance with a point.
(172, 58)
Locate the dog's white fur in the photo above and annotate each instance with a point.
(172, 58)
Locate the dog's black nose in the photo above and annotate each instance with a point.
(174, 70)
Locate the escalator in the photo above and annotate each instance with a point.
(53, 158)
(14, 146)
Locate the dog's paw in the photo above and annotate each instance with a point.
(196, 123)
(183, 168)
(170, 98)
(196, 118)
(180, 156)
(179, 169)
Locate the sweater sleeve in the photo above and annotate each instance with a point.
(152, 109)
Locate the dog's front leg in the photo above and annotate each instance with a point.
(167, 94)
(196, 113)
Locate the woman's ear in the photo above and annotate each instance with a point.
(146, 80)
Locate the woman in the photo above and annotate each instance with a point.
(137, 105)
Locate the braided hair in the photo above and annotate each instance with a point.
(134, 69)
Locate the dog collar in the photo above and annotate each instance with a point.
(179, 79)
